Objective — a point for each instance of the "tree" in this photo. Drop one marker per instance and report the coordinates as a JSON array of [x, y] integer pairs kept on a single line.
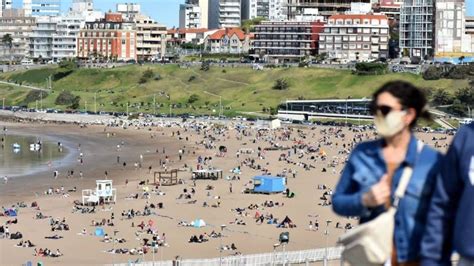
[[148, 74], [281, 84], [205, 66], [193, 98], [247, 25], [7, 41], [442, 97], [465, 96]]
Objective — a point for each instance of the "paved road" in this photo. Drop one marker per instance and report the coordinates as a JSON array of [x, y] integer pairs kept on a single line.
[[24, 86]]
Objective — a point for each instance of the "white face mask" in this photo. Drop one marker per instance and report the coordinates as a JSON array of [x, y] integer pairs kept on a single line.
[[391, 124]]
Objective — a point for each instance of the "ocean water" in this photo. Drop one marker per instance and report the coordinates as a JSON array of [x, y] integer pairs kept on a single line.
[[18, 159]]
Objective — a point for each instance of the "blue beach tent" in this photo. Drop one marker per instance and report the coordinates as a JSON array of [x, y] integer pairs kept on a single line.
[[269, 184], [10, 212]]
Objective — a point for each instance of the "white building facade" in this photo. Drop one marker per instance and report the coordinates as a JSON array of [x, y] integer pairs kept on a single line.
[[450, 36], [128, 10], [224, 13], [355, 37], [5, 4], [151, 39], [64, 45], [268, 9], [189, 16], [41, 40]]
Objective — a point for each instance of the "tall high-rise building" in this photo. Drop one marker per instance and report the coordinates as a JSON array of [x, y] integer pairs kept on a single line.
[[194, 14], [5, 4], [268, 9], [450, 34], [189, 16], [20, 27], [64, 44], [224, 13], [41, 40], [416, 28], [81, 6], [151, 39], [128, 10], [325, 8], [42, 8]]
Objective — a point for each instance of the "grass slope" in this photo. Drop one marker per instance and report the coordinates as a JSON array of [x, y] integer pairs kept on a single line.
[[242, 89]]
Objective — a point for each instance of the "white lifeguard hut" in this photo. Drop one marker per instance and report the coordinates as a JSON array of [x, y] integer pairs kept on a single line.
[[104, 192]]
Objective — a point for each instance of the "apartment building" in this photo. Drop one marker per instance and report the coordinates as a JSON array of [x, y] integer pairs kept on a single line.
[[325, 8], [176, 37], [41, 39], [268, 9], [470, 33], [20, 27], [42, 8], [391, 8], [5, 5], [64, 44], [80, 6], [109, 38], [189, 16], [417, 28], [151, 39], [285, 41], [450, 35], [128, 10], [227, 41], [194, 14], [355, 37], [224, 14]]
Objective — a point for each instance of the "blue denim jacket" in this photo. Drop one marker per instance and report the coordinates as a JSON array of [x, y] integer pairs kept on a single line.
[[365, 168]]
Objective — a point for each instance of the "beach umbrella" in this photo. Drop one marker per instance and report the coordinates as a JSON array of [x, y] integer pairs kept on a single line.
[[99, 231]]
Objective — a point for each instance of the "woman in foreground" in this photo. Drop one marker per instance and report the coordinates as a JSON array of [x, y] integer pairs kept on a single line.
[[366, 187]]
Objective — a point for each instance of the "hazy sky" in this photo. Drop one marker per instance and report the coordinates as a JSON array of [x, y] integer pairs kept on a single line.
[[167, 11], [163, 11]]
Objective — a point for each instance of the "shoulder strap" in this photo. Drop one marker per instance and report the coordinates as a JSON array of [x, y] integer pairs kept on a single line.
[[406, 176]]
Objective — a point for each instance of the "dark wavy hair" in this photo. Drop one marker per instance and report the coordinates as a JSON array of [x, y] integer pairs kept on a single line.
[[408, 95]]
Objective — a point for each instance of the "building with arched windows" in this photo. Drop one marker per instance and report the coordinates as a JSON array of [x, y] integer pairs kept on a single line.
[[108, 39]]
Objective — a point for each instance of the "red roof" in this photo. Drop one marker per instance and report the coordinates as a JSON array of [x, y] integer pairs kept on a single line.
[[219, 34], [181, 31], [361, 17]]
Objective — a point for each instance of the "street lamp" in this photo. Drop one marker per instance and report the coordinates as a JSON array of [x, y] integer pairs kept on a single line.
[[326, 233], [113, 244], [273, 256], [220, 245], [220, 101]]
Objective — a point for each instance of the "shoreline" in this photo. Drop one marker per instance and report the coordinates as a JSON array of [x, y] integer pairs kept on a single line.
[[66, 159]]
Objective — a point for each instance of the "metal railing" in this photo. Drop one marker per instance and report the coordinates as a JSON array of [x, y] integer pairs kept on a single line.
[[269, 259]]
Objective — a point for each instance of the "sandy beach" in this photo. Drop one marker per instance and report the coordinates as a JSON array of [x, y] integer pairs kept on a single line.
[[315, 157]]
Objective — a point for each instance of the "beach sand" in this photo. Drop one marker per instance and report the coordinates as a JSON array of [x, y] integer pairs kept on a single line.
[[100, 155]]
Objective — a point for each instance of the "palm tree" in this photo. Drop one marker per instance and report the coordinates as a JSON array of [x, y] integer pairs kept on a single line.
[[7, 41]]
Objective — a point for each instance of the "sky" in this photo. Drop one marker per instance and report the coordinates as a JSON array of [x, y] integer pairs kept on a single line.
[[167, 11], [163, 11]]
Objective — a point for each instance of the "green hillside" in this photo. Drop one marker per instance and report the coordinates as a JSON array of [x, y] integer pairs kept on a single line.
[[242, 89]]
